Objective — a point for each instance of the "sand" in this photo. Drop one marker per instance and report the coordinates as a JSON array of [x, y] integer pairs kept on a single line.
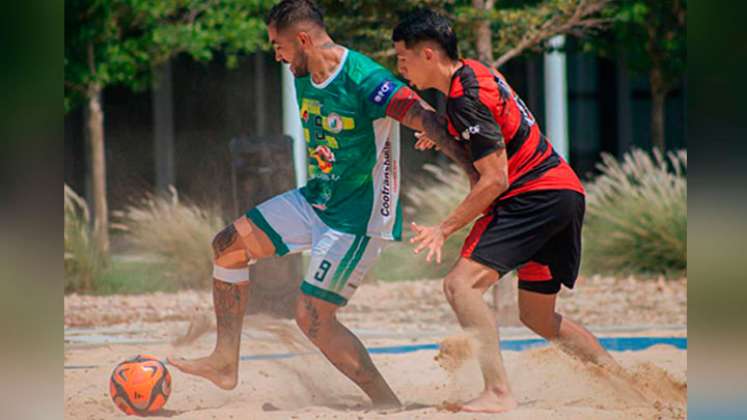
[[411, 305], [547, 383]]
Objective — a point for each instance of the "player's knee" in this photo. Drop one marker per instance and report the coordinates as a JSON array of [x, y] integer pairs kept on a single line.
[[224, 241], [243, 235], [230, 258], [453, 288]]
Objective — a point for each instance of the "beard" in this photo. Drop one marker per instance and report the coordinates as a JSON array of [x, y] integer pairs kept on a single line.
[[300, 66]]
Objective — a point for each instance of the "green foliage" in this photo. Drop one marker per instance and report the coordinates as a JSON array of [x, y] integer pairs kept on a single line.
[[135, 277], [83, 262], [367, 25], [178, 234], [119, 41], [646, 33], [636, 215], [432, 200], [510, 22]]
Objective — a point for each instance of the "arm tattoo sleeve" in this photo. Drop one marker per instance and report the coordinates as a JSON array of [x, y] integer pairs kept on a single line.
[[421, 117]]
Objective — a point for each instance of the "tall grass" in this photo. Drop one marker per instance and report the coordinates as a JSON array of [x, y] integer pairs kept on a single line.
[[82, 260], [636, 219], [178, 233], [432, 199]]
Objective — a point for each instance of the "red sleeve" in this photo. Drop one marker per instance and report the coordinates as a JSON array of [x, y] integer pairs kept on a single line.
[[401, 102]]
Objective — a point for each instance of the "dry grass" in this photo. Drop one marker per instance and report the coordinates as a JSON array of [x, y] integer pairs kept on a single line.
[[636, 220], [179, 233], [432, 199], [82, 261]]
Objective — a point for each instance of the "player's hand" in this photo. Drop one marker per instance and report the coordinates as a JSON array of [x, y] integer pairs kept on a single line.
[[423, 142], [431, 237]]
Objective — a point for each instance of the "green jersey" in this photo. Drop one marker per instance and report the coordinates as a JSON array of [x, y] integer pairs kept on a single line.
[[353, 165]]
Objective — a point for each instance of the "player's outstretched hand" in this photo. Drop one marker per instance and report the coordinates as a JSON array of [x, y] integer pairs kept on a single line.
[[423, 142], [431, 237]]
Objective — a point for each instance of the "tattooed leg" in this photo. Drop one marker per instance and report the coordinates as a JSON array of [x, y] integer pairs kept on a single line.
[[229, 300], [222, 366], [343, 349]]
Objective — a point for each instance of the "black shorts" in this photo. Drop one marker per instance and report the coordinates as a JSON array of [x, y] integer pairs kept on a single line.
[[538, 232]]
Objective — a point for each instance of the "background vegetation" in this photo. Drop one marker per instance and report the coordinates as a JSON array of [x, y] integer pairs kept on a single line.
[[636, 218], [636, 213]]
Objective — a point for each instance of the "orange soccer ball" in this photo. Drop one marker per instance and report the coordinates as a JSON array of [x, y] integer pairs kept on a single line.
[[140, 385]]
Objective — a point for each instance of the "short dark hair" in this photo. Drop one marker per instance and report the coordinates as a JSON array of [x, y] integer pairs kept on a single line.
[[289, 12], [427, 25]]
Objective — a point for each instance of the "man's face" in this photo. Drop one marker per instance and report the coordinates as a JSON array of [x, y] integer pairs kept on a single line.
[[288, 49], [413, 65]]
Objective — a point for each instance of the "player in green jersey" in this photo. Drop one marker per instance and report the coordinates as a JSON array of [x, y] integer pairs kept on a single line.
[[349, 209]]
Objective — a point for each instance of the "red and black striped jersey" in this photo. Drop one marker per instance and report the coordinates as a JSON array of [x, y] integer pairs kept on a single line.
[[486, 113]]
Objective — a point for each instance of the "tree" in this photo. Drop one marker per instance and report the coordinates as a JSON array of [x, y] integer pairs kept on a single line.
[[529, 28], [483, 32], [119, 42], [486, 28], [650, 36]]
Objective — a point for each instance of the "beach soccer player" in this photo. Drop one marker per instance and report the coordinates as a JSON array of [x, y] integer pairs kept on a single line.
[[347, 212], [529, 202]]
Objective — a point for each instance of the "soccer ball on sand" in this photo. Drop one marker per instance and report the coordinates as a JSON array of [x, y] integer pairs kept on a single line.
[[140, 385]]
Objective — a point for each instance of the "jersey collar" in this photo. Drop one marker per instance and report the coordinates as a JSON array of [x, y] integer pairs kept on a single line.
[[334, 74], [456, 75]]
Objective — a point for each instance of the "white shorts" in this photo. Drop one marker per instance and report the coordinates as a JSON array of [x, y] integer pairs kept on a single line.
[[339, 260]]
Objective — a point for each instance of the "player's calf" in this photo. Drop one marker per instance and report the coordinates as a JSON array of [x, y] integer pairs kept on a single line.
[[342, 348], [309, 318], [545, 325], [235, 248], [537, 312]]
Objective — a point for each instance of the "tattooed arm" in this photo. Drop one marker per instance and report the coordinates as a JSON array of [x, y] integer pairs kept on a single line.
[[407, 108]]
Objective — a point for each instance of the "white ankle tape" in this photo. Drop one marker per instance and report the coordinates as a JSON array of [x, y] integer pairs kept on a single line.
[[231, 275]]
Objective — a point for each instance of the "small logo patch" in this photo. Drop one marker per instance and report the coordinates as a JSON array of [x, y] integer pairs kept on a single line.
[[334, 123], [382, 92], [325, 158], [469, 131]]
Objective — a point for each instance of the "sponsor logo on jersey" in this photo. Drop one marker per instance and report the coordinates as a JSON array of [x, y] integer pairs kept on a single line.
[[469, 131], [325, 158], [382, 92], [308, 108], [334, 123], [388, 186]]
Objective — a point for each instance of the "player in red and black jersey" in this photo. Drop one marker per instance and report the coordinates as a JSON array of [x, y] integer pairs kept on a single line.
[[531, 201]]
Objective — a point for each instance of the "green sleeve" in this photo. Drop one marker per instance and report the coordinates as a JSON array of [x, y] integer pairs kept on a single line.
[[377, 90]]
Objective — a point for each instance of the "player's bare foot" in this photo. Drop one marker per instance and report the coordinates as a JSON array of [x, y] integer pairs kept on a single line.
[[490, 401], [222, 374]]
